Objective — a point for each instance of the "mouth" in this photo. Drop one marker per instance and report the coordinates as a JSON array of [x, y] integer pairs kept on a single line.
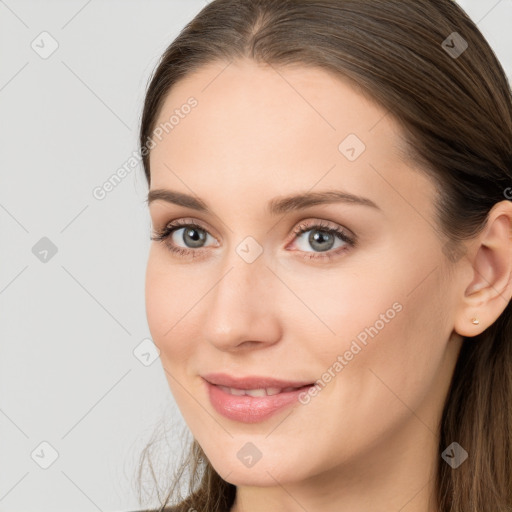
[[253, 405]]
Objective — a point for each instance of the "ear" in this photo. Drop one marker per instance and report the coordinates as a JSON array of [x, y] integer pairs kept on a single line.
[[489, 290]]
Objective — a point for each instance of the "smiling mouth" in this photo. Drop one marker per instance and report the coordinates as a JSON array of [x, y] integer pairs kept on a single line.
[[252, 405]]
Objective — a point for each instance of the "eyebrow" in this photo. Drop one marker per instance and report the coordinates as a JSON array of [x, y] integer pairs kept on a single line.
[[276, 206]]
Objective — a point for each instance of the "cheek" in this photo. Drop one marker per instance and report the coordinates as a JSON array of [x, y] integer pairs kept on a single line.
[[164, 305], [389, 319], [156, 299], [351, 305], [172, 332], [402, 348]]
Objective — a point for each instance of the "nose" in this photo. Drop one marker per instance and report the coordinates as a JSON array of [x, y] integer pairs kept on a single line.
[[242, 309]]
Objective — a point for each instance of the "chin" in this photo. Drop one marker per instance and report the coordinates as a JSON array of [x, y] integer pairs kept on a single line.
[[263, 473]]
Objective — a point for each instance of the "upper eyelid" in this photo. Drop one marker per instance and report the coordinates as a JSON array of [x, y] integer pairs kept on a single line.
[[183, 222]]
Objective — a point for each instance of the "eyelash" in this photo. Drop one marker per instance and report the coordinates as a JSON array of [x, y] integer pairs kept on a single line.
[[163, 234]]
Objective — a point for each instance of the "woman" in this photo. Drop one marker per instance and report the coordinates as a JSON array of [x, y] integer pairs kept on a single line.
[[374, 373]]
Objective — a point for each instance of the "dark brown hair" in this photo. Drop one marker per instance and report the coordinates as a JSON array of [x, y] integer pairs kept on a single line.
[[456, 116]]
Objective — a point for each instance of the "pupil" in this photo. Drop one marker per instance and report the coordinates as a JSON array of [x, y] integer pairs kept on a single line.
[[197, 236], [317, 237]]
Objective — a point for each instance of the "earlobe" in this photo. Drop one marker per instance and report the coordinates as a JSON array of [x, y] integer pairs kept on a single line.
[[490, 289]]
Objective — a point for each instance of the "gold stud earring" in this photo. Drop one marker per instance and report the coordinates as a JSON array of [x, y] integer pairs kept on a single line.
[[475, 321]]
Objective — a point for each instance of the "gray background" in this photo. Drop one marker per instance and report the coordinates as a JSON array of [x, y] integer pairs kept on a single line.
[[75, 371]]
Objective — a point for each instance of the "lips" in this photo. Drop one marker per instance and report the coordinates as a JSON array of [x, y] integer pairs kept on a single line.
[[252, 399], [253, 382]]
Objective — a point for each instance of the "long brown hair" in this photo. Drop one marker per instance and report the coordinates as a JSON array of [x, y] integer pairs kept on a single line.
[[455, 109]]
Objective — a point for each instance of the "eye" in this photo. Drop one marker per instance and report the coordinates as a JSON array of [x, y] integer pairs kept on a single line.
[[322, 238], [192, 235]]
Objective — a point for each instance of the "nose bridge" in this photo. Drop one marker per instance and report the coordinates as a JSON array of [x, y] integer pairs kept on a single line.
[[241, 304], [244, 270]]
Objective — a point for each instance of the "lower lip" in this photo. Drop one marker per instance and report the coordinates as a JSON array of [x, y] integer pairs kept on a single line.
[[251, 409]]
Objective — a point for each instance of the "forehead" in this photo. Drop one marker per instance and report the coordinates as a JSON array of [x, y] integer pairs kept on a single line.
[[244, 98], [286, 127]]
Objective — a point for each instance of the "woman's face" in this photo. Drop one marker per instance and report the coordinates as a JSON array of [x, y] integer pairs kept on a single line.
[[369, 321]]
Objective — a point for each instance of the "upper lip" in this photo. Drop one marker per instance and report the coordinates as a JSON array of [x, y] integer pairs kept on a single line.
[[252, 382]]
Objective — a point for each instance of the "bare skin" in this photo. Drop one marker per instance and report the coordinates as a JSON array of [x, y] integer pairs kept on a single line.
[[367, 441]]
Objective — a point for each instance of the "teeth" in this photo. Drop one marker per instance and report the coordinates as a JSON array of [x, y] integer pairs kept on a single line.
[[255, 392], [233, 391], [273, 391]]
